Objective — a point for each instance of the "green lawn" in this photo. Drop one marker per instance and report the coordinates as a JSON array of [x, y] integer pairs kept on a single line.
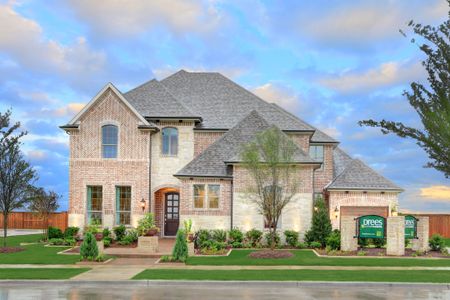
[[298, 275], [447, 242], [308, 258], [44, 273], [34, 254]]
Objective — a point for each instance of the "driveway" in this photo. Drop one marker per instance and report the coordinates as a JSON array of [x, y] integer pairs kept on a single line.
[[12, 232], [219, 291]]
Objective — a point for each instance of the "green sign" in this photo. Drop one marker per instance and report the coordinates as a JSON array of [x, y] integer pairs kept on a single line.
[[371, 227], [410, 227]]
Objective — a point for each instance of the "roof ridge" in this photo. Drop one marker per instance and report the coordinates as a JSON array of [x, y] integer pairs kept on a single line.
[[175, 98], [340, 174]]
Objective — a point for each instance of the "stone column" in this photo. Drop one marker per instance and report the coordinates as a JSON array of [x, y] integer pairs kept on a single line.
[[395, 235], [421, 243], [348, 232]]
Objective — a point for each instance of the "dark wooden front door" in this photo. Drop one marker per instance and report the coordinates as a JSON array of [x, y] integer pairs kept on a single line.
[[171, 214]]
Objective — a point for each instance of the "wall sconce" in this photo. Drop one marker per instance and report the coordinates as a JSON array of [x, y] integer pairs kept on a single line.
[[336, 212], [143, 204], [316, 208]]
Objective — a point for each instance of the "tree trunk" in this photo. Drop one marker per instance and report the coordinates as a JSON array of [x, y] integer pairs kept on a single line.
[[5, 228]]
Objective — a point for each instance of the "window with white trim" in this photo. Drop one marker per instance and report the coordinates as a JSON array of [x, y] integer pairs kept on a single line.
[[206, 196]]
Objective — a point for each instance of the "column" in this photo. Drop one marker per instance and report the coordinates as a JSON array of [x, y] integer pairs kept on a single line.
[[395, 235], [348, 232], [421, 243]]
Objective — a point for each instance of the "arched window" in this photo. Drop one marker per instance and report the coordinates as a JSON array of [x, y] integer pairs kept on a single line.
[[109, 141], [169, 141]]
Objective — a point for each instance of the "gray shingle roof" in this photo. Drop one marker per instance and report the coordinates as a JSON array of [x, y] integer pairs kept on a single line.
[[222, 103], [341, 160], [212, 161], [357, 175], [152, 99]]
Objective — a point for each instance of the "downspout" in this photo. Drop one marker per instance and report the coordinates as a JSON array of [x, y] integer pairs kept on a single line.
[[231, 207], [150, 172]]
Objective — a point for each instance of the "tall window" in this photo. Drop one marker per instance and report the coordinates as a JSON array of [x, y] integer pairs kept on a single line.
[[123, 205], [206, 195], [109, 141], [169, 141], [94, 204], [316, 152]]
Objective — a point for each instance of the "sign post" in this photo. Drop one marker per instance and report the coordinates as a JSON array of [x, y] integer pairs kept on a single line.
[[371, 226]]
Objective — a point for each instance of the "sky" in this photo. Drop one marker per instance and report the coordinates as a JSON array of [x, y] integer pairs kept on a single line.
[[332, 63]]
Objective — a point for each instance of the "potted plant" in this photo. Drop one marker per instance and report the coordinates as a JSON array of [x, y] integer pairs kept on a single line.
[[147, 226], [94, 228]]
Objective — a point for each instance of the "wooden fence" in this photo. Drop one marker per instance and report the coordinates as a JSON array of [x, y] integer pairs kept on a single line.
[[30, 220], [439, 223]]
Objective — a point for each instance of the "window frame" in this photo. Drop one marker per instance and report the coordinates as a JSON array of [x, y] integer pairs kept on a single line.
[[89, 210], [117, 206], [170, 146], [315, 154], [206, 201], [109, 124]]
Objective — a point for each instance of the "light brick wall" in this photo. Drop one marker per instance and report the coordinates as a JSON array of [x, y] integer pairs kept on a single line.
[[87, 167], [203, 140], [324, 175], [302, 141], [358, 198]]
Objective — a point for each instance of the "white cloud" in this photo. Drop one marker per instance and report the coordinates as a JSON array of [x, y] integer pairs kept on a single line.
[[69, 110], [116, 17], [387, 74], [282, 96], [23, 40], [436, 193]]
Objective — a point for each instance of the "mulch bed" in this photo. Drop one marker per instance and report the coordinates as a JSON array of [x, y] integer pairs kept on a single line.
[[11, 249], [270, 254], [381, 252]]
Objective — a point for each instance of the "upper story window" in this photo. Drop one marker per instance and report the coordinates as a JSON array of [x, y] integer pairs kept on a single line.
[[316, 152], [169, 141], [109, 141]]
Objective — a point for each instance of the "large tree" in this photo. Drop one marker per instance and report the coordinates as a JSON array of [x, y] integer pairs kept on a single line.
[[43, 203], [431, 101], [275, 179], [16, 174]]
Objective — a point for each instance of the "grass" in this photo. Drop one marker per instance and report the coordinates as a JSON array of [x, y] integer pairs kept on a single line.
[[44, 273], [34, 254], [447, 242], [309, 258], [298, 275]]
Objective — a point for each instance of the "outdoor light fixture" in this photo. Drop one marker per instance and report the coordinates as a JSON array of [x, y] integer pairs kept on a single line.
[[336, 212], [143, 204], [316, 208]]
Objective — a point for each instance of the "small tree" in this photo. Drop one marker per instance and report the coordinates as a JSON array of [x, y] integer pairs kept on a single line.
[[269, 161], [180, 250], [321, 224], [43, 203], [16, 174], [89, 249]]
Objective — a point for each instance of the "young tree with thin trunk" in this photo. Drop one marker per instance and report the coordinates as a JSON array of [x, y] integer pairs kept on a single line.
[[275, 178], [431, 100], [43, 203], [16, 174]]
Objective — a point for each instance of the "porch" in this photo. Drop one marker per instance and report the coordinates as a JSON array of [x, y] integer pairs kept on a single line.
[[166, 205]]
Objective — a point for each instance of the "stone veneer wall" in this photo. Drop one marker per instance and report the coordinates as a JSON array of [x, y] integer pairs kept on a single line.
[[359, 198], [87, 167], [205, 218], [203, 139]]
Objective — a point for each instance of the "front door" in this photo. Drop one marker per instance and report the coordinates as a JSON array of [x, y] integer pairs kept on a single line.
[[171, 214]]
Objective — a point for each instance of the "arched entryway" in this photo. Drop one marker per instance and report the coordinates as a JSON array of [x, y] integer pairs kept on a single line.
[[167, 210]]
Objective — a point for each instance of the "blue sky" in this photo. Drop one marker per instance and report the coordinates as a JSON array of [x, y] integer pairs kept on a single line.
[[332, 63]]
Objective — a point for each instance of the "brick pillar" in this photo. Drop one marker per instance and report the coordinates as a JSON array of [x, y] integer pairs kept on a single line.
[[421, 243], [395, 236], [348, 232]]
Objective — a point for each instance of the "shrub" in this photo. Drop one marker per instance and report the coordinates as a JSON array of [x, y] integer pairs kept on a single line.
[[237, 245], [219, 235], [93, 227], [119, 232], [166, 258], [334, 240], [291, 237], [106, 233], [55, 233], [436, 242], [361, 253], [315, 245], [254, 237], [100, 258], [236, 236], [56, 242], [146, 223], [131, 236], [276, 237], [321, 224], [70, 241], [71, 231], [379, 243], [106, 243], [301, 245], [89, 249], [180, 250], [201, 236], [363, 242]]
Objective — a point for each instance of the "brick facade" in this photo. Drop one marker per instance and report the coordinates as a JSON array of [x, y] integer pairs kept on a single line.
[[324, 175], [204, 139], [302, 141]]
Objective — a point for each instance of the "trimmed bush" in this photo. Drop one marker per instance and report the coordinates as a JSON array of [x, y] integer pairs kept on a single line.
[[180, 250], [201, 236], [334, 240], [89, 249], [436, 242], [379, 243], [71, 232], [291, 237], [301, 245], [55, 233], [236, 236], [254, 237], [119, 232], [363, 242], [315, 245], [268, 238]]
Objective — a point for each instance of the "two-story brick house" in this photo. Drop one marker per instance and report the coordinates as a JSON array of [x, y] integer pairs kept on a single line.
[[172, 147]]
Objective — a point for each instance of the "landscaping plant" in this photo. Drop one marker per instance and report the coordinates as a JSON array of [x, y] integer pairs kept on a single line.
[[54, 233], [43, 203], [379, 243], [119, 232], [291, 237], [89, 249], [236, 238], [201, 236], [254, 237], [147, 226], [321, 225], [436, 242], [334, 240], [180, 250], [219, 235], [272, 239], [71, 232]]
